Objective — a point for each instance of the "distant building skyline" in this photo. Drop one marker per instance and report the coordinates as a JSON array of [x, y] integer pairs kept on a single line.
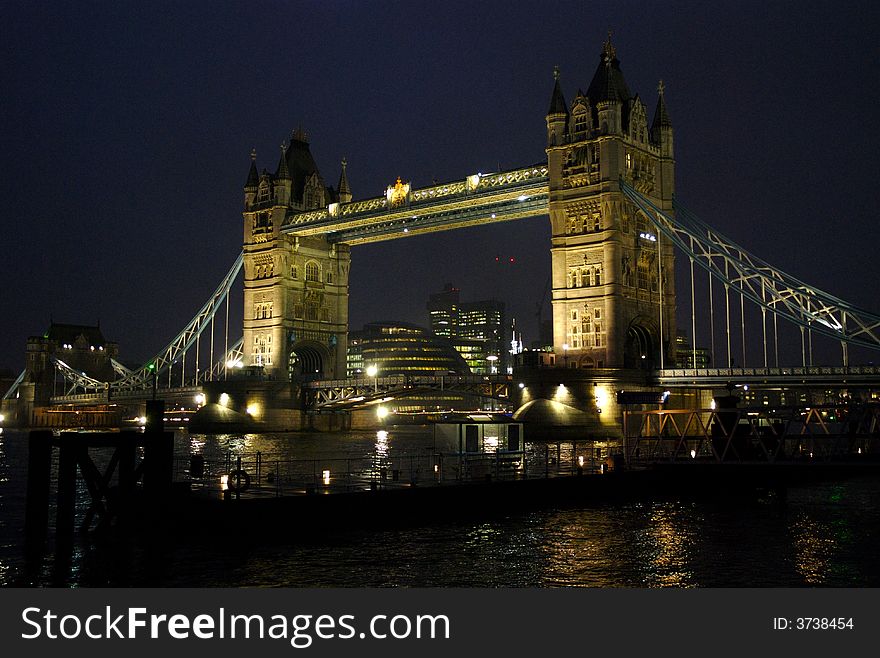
[[478, 329]]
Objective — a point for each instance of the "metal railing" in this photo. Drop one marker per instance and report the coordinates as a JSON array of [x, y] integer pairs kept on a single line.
[[274, 474]]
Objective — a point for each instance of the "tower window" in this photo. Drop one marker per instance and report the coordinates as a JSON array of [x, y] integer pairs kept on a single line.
[[312, 272], [293, 273]]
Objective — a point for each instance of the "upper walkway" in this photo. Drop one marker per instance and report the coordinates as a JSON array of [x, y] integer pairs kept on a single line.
[[478, 199], [788, 376]]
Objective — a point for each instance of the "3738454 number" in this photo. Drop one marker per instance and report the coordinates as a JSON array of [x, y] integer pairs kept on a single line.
[[823, 623]]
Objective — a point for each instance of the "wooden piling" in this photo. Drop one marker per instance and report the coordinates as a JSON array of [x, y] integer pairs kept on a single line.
[[36, 517], [65, 506]]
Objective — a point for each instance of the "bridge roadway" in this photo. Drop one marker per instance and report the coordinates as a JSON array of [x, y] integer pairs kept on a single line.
[[347, 393], [343, 393], [802, 376], [179, 393], [478, 199]]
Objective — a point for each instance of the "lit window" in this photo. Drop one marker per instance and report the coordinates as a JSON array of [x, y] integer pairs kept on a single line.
[[312, 273]]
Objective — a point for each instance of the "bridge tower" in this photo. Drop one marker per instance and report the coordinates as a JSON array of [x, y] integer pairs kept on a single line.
[[295, 287], [613, 280]]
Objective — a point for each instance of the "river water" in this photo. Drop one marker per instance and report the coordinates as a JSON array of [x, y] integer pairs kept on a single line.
[[820, 535]]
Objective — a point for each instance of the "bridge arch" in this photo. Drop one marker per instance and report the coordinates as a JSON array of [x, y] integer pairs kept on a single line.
[[307, 360], [640, 348]]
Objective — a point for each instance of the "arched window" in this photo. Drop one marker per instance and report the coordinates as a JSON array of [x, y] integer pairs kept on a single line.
[[312, 272], [293, 273], [598, 276]]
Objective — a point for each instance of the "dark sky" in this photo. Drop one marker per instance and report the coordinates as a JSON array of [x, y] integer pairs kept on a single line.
[[126, 129]]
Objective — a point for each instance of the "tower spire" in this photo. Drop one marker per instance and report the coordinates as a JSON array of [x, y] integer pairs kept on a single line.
[[344, 189], [282, 173], [661, 116], [253, 179], [608, 50], [557, 100]]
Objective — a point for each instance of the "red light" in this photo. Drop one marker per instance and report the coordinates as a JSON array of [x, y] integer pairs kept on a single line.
[[496, 259], [511, 260]]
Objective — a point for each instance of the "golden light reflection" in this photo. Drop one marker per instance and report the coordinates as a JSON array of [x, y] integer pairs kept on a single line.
[[669, 543], [814, 549]]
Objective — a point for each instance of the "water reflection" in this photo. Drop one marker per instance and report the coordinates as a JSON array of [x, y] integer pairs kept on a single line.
[[381, 457], [821, 536], [814, 549], [670, 540]]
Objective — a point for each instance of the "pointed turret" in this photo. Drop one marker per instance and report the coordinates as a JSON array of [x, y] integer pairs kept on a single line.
[[557, 100], [608, 91], [661, 116], [283, 181], [608, 83], [344, 189], [282, 172], [253, 178], [661, 126], [253, 181], [557, 115]]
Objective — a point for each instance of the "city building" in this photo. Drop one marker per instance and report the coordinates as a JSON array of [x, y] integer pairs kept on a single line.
[[80, 347], [478, 330], [687, 356], [484, 321], [443, 311], [400, 348]]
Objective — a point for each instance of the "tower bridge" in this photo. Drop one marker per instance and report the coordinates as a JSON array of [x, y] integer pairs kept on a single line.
[[617, 230]]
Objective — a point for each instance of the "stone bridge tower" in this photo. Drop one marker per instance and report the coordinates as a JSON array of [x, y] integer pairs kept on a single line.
[[613, 289], [295, 287]]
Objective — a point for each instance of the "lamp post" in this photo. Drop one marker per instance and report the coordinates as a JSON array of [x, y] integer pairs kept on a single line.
[[492, 358], [565, 354], [373, 371]]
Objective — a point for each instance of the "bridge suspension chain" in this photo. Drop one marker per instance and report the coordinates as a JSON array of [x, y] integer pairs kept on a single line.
[[767, 286], [143, 377]]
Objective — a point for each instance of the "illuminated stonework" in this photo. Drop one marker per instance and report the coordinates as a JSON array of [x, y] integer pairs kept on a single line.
[[295, 287], [607, 284]]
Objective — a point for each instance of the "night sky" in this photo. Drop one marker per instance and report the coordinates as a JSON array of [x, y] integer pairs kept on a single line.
[[127, 128]]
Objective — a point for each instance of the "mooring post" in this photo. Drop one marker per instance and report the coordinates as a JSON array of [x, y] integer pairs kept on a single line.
[[36, 516], [127, 450], [66, 499], [158, 451]]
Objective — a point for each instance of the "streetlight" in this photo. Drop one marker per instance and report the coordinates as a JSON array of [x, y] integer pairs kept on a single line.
[[565, 353], [372, 371]]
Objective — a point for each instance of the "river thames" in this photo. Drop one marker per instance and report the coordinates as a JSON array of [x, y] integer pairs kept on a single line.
[[825, 535]]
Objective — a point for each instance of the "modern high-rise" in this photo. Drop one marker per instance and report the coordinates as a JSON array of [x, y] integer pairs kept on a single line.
[[477, 329], [443, 311], [484, 321]]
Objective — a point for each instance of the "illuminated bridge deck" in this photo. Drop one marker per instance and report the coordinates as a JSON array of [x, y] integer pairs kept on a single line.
[[790, 376], [478, 199]]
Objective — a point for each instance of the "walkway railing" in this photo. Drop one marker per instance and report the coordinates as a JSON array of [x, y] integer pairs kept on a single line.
[[268, 474]]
